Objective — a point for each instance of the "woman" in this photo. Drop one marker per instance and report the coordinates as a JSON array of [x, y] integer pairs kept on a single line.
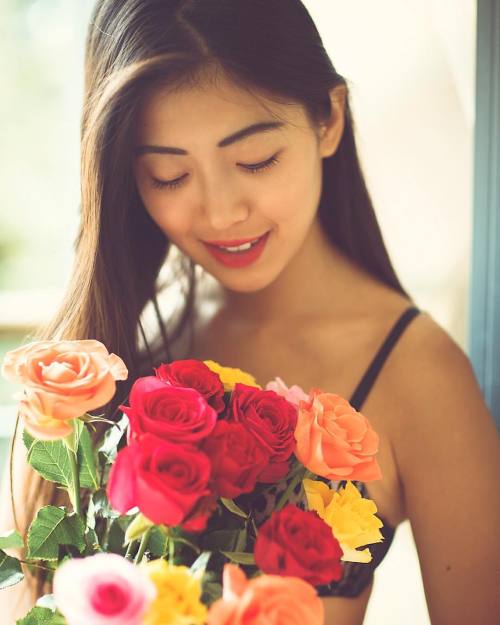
[[221, 129]]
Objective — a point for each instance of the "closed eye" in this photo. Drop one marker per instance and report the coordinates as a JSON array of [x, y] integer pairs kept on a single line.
[[251, 168], [263, 165]]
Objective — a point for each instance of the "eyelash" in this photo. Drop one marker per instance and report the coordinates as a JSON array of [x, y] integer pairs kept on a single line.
[[253, 169]]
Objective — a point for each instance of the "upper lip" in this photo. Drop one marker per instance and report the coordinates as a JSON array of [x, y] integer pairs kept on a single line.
[[234, 242]]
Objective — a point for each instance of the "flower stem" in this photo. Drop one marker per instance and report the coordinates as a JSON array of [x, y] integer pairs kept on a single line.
[[289, 490], [75, 482], [71, 444], [142, 546], [256, 531], [38, 566], [171, 550], [130, 549]]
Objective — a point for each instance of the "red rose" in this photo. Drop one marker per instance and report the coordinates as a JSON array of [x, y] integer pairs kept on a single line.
[[237, 458], [272, 420], [194, 374], [173, 413], [164, 480], [293, 542], [197, 519]]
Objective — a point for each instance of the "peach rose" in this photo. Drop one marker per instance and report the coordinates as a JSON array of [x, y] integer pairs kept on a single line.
[[265, 600], [335, 441], [35, 409], [62, 381]]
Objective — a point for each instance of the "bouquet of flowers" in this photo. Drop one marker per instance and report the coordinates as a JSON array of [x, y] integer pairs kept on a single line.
[[166, 524]]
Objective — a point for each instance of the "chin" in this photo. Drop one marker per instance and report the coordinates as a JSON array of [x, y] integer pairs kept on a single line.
[[246, 283]]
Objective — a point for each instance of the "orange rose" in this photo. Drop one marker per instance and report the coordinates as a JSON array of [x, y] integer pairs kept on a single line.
[[265, 600], [63, 380], [335, 441]]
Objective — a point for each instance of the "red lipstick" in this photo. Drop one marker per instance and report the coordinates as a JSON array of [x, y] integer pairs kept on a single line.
[[240, 258]]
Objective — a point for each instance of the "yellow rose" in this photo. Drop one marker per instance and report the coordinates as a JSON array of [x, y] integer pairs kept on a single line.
[[229, 376], [351, 517], [178, 596]]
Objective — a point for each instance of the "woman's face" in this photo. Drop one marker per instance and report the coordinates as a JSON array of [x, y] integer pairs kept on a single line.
[[209, 186]]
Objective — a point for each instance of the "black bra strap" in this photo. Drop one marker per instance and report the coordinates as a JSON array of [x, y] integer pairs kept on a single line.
[[377, 363]]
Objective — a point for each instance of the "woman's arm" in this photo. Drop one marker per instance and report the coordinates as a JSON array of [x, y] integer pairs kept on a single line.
[[345, 610], [447, 450]]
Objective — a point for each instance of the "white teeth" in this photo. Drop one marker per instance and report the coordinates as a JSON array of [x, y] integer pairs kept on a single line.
[[239, 248]]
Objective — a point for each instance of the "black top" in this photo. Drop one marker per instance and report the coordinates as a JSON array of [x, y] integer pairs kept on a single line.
[[358, 575]]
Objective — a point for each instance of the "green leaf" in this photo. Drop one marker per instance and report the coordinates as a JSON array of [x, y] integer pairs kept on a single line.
[[116, 538], [201, 562], [42, 616], [232, 507], [242, 540], [99, 507], [91, 541], [221, 540], [127, 519], [53, 527], [28, 440], [10, 571], [157, 543], [86, 461], [112, 438], [240, 557], [72, 440], [50, 459], [211, 592], [11, 540]]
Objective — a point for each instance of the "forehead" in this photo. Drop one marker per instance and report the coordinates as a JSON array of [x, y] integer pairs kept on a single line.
[[210, 110]]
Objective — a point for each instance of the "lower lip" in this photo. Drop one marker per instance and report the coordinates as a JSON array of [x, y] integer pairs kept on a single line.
[[239, 259]]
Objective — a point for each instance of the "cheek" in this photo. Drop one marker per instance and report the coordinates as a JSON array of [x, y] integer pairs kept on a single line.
[[171, 215], [297, 199], [173, 218]]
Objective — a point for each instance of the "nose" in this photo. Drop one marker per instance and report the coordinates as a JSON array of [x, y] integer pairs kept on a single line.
[[224, 208]]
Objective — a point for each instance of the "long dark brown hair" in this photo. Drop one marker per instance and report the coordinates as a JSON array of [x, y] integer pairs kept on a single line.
[[272, 48]]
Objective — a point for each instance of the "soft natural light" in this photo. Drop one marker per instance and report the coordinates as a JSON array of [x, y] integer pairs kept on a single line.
[[410, 68]]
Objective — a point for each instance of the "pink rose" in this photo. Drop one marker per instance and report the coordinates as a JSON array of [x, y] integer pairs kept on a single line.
[[63, 380], [294, 394], [104, 589], [265, 600], [334, 440]]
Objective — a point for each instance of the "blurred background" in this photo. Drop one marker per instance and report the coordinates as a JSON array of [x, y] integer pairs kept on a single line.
[[411, 71]]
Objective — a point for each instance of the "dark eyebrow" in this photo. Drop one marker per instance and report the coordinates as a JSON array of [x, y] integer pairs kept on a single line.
[[237, 136]]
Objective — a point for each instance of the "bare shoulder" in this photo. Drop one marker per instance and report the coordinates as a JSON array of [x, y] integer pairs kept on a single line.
[[431, 396], [426, 344], [447, 453], [428, 373]]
